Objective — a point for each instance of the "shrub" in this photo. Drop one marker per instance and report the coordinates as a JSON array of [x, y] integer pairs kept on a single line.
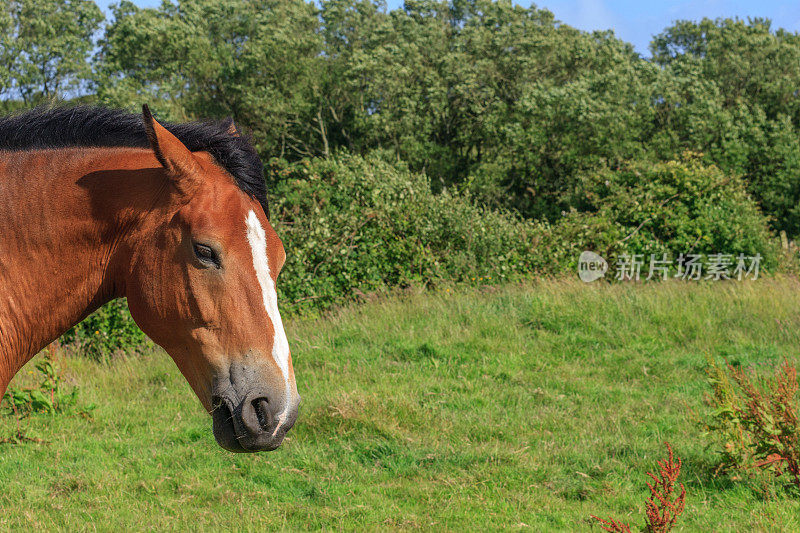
[[49, 396], [355, 225], [756, 426], [675, 207], [725, 426], [108, 330]]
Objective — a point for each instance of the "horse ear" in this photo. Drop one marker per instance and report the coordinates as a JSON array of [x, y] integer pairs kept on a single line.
[[170, 152], [231, 128]]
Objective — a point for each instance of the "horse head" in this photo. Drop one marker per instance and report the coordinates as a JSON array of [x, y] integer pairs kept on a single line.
[[203, 287]]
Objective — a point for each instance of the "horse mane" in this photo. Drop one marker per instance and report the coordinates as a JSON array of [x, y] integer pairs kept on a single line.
[[95, 127]]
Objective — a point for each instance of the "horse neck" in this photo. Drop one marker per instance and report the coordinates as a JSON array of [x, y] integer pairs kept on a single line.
[[66, 217]]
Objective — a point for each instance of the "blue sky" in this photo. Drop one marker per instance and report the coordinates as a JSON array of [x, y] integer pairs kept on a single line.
[[636, 21]]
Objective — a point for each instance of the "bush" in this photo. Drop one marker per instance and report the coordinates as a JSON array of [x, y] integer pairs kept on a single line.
[[355, 225], [675, 207], [48, 397], [756, 426], [108, 330]]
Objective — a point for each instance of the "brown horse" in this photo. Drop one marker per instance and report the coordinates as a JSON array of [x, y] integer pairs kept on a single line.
[[97, 204]]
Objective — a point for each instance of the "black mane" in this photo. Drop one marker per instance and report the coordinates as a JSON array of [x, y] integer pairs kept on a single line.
[[86, 126]]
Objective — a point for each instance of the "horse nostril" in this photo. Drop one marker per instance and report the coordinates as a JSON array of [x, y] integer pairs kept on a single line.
[[261, 407]]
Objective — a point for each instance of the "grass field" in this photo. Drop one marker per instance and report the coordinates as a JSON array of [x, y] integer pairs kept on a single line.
[[524, 407]]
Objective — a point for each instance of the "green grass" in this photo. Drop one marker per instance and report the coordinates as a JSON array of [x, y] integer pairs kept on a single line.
[[524, 407]]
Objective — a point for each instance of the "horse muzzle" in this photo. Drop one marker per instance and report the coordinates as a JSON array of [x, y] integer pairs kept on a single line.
[[254, 421]]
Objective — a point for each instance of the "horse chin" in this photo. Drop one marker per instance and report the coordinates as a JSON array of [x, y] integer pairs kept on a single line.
[[224, 431]]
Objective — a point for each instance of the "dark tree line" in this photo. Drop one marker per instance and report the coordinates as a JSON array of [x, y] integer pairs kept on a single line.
[[499, 101]]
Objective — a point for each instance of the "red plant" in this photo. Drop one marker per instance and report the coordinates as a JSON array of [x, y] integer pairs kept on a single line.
[[771, 418], [662, 508], [612, 525]]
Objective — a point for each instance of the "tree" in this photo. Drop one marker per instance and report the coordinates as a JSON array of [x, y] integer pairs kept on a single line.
[[254, 61], [5, 52], [736, 100], [46, 47], [750, 62]]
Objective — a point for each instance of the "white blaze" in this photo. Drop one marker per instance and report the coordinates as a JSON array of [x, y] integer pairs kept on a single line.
[[280, 346]]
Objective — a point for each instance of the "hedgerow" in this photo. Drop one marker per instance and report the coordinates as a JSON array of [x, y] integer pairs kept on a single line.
[[354, 225], [683, 206]]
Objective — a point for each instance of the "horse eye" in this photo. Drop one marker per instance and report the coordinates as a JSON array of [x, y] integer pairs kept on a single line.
[[206, 254]]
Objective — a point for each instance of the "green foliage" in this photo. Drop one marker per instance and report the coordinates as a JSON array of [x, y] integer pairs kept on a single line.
[[558, 129], [495, 98], [749, 61], [48, 397], [356, 225], [254, 61], [6, 40], [108, 331], [492, 97], [748, 75], [724, 426], [757, 425], [45, 47], [675, 207]]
